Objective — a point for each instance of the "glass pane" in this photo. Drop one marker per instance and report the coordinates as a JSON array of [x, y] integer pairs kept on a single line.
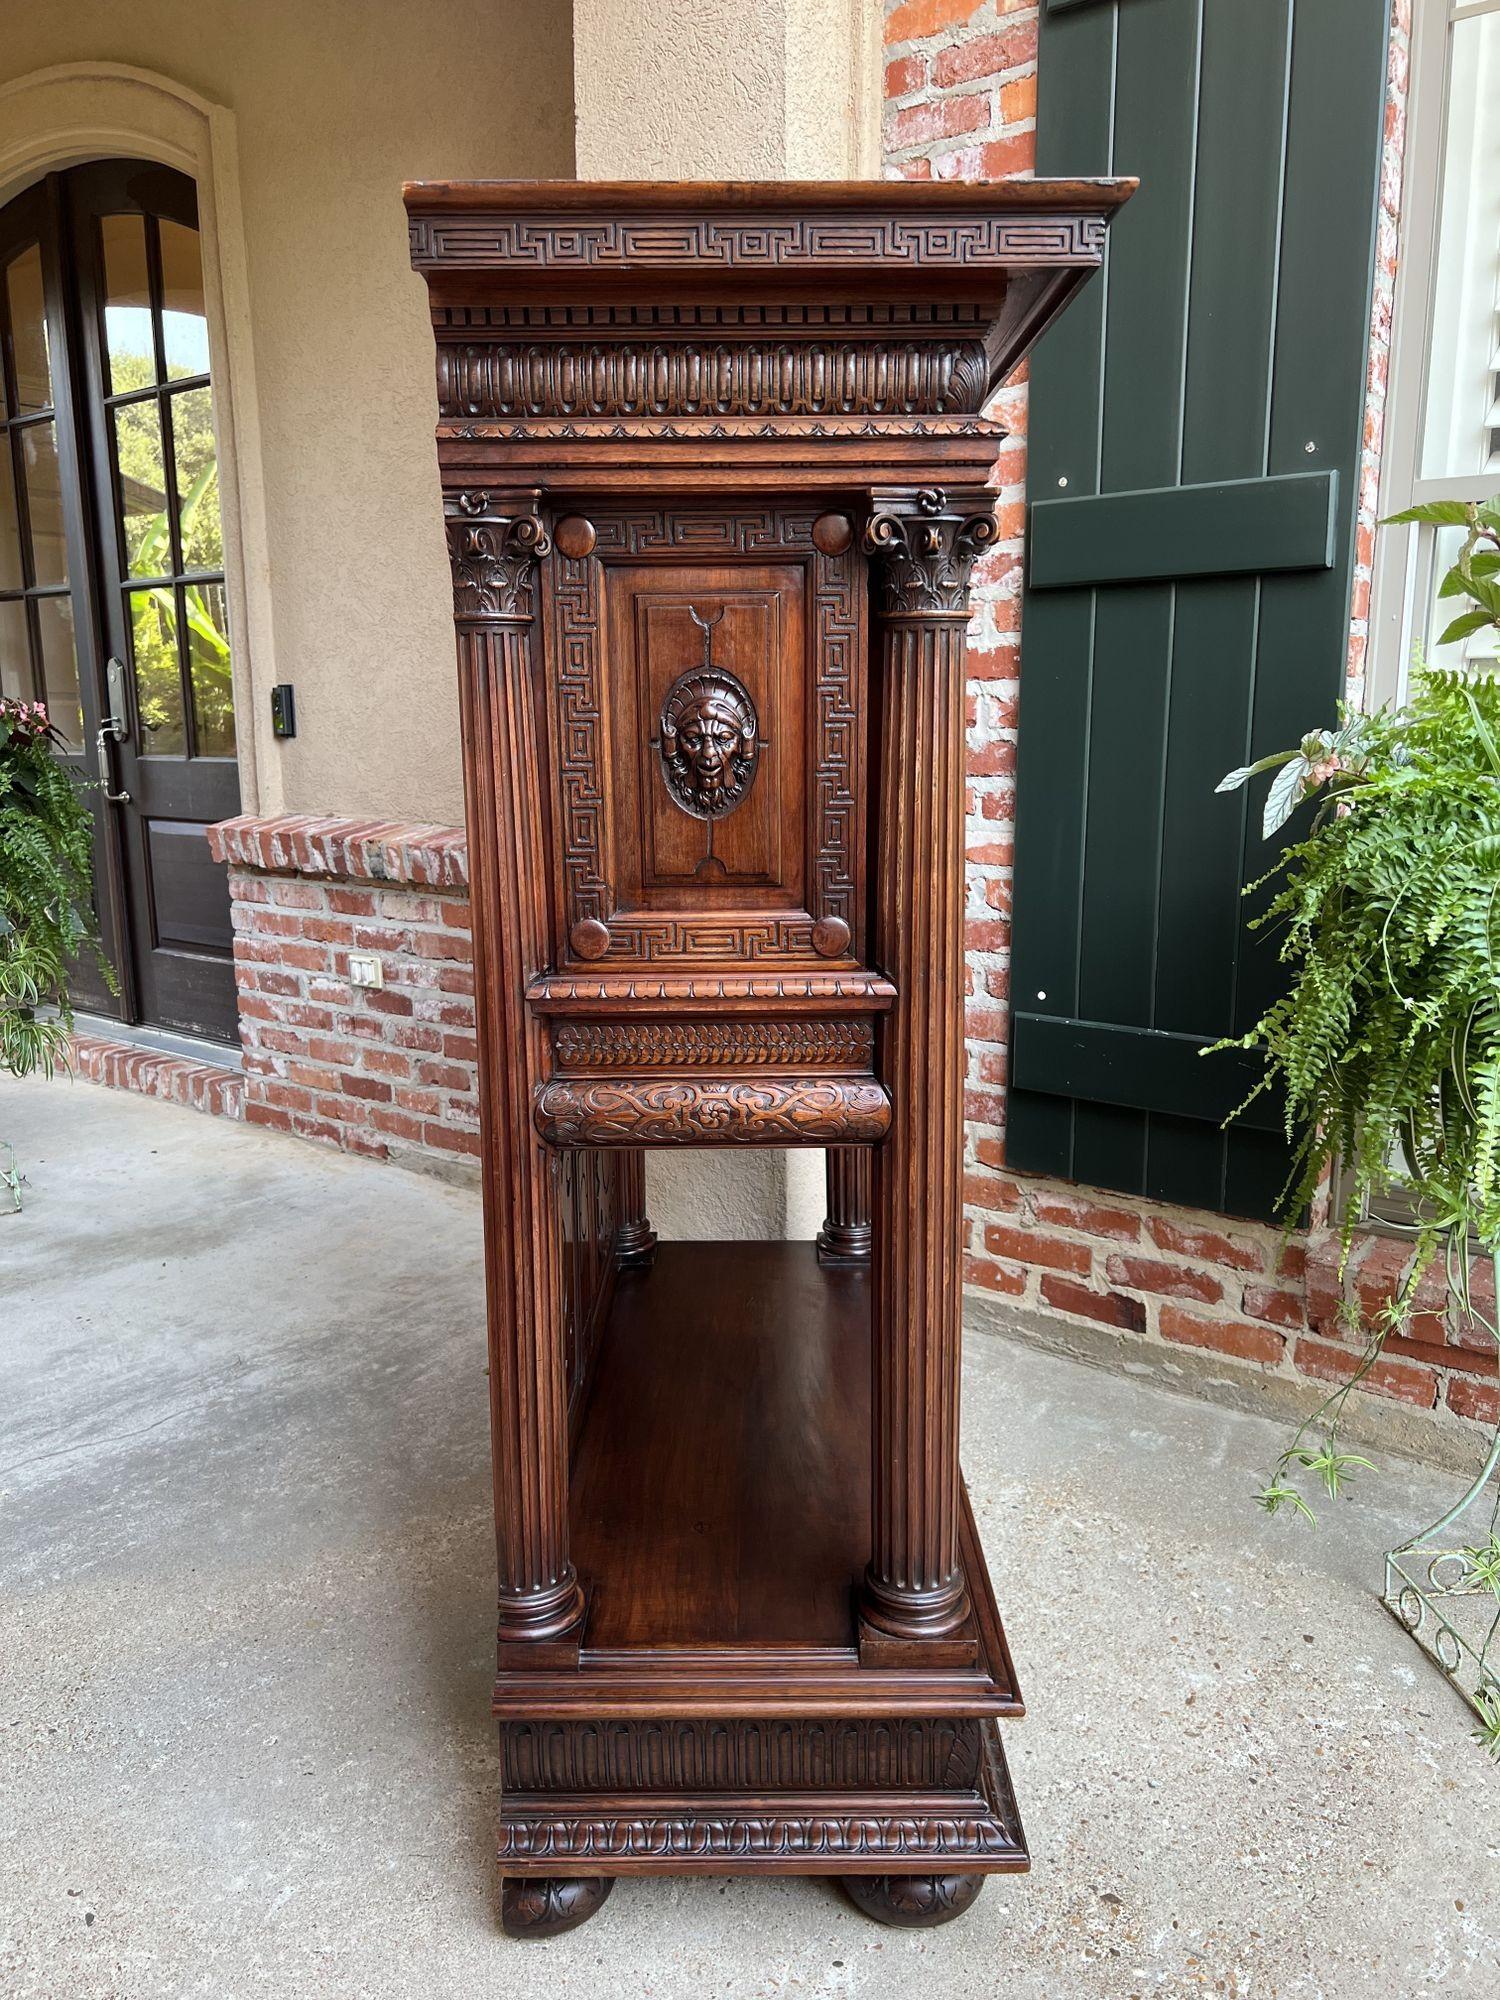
[[1462, 423], [184, 324], [197, 479], [10, 525], [28, 331], [142, 485], [15, 652], [127, 303], [208, 669], [158, 684], [54, 616], [43, 476]]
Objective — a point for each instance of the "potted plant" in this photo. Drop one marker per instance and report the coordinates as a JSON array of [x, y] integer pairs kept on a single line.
[[1386, 1046], [45, 896]]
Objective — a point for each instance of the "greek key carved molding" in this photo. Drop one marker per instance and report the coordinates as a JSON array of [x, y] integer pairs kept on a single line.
[[592, 1045], [727, 379], [578, 670], [649, 1110], [494, 559], [772, 242], [925, 551]]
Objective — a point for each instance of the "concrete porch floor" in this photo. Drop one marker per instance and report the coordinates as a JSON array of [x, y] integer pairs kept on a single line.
[[245, 1592]]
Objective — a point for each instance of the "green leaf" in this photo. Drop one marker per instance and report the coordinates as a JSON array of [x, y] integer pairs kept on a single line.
[[1276, 1495], [1235, 779], [1433, 513], [1462, 626], [1284, 796]]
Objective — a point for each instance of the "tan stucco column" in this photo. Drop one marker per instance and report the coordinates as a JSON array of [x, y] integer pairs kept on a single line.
[[729, 90]]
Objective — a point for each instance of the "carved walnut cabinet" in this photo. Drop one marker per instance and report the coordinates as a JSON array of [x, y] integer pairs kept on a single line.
[[714, 473]]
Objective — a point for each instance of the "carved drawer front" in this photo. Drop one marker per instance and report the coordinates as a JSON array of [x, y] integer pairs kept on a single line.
[[707, 696], [700, 1081]]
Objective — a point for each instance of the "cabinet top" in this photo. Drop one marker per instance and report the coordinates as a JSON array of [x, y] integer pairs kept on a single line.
[[746, 232]]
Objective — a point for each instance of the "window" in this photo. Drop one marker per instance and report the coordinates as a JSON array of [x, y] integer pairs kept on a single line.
[[1442, 429]]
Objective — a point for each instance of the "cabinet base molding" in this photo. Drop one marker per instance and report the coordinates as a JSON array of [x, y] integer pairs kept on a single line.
[[969, 1824]]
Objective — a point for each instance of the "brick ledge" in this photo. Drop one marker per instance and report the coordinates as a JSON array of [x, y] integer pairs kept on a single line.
[[200, 1086], [357, 850]]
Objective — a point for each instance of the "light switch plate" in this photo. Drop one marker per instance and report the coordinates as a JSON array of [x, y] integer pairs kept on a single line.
[[365, 969]]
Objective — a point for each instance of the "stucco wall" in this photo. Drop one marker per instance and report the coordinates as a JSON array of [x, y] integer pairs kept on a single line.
[[334, 105]]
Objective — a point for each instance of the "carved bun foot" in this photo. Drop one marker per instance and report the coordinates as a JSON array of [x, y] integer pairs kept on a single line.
[[913, 1902], [547, 1905]]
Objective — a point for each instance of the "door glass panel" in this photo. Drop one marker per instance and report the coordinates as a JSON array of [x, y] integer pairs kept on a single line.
[[60, 665], [15, 651], [10, 524], [28, 331], [130, 353], [141, 486], [209, 669], [158, 683], [197, 480], [43, 476], [184, 323]]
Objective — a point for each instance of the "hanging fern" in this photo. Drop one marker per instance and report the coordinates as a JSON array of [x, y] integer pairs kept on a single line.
[[1386, 1045], [45, 894]]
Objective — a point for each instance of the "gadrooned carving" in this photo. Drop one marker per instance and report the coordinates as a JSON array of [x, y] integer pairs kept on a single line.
[[926, 552], [709, 740]]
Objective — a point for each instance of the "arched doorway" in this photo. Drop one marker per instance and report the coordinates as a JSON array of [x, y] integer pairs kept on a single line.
[[112, 596]]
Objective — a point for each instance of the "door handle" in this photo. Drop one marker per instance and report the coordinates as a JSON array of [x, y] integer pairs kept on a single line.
[[109, 730]]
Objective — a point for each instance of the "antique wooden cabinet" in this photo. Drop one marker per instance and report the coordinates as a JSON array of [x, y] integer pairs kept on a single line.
[[714, 476]]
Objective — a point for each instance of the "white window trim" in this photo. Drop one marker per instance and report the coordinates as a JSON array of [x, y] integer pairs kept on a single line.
[[1402, 579]]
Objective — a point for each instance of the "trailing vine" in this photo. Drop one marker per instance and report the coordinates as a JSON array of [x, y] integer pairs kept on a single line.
[[45, 892], [1386, 1045]]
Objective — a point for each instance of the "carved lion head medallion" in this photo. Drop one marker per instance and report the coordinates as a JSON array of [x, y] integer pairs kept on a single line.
[[709, 741]]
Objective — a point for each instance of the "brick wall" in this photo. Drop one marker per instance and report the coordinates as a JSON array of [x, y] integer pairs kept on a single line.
[[960, 84], [389, 1072]]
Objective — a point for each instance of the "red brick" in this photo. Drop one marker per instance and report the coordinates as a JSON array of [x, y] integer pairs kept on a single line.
[[1093, 1217], [366, 1086], [352, 902], [989, 1191], [1110, 1308], [455, 915], [460, 1048], [400, 1124], [383, 1001], [938, 118], [1014, 154], [257, 1113], [1406, 1381], [1479, 1400], [1288, 1309], [1173, 1281], [1025, 1246], [984, 55], [450, 1138], [915, 18], [389, 1062], [904, 75], [1224, 1336], [1207, 1244], [994, 1277], [426, 1103], [285, 1096], [1018, 100], [446, 1076], [297, 896]]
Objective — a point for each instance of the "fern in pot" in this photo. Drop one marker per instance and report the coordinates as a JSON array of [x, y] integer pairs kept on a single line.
[[1387, 1049], [45, 899]]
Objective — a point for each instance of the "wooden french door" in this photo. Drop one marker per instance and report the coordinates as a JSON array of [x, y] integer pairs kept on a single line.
[[112, 600]]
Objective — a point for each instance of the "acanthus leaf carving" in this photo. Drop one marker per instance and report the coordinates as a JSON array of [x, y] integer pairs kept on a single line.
[[925, 551], [494, 557]]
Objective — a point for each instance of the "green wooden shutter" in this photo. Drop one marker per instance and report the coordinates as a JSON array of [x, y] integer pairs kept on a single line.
[[1195, 426]]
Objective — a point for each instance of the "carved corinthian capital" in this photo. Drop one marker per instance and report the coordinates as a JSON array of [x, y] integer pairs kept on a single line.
[[494, 554], [926, 548]]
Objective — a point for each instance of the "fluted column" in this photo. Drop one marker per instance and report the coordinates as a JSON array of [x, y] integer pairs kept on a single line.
[[923, 545], [494, 545], [635, 1242], [845, 1235]]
